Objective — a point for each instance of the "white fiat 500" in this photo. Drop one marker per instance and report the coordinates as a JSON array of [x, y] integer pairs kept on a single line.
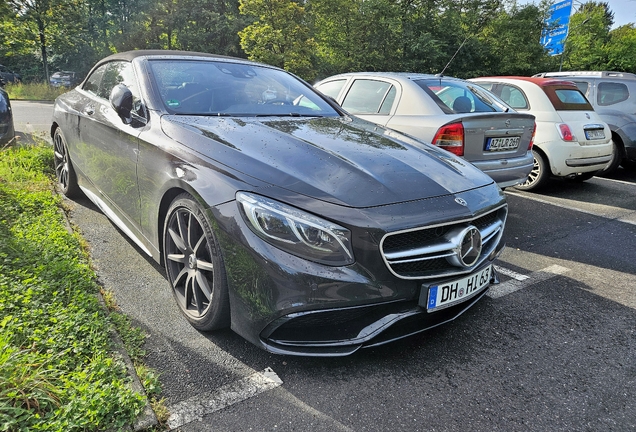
[[571, 139]]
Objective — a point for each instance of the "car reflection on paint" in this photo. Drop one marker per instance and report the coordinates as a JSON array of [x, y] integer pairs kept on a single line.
[[306, 231]]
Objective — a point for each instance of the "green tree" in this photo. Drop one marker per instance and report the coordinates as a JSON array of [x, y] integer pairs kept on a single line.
[[587, 37], [621, 49], [42, 27], [279, 35], [513, 43]]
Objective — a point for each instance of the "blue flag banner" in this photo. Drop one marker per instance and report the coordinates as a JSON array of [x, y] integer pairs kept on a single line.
[[556, 27]]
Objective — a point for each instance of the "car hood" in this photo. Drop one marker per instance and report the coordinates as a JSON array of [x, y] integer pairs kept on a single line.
[[344, 161]]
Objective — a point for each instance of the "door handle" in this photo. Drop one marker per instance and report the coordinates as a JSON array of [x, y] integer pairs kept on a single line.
[[89, 110]]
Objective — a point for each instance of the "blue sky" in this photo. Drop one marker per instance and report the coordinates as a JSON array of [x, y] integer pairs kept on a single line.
[[624, 10]]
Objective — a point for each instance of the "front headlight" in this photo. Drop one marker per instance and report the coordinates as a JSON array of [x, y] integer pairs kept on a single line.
[[296, 231]]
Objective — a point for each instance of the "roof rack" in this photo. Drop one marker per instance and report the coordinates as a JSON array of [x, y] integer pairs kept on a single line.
[[595, 74]]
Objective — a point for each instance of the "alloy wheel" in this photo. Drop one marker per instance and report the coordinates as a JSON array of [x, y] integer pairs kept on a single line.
[[189, 263]]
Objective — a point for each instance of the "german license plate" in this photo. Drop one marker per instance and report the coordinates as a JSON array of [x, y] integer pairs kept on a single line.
[[457, 291], [502, 144], [593, 134]]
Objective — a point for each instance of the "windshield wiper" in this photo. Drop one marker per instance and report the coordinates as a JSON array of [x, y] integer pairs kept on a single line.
[[292, 114]]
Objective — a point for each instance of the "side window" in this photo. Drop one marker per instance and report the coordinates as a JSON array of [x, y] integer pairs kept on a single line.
[[120, 72], [385, 109], [367, 96], [332, 88], [583, 86], [93, 81], [486, 85], [610, 93], [514, 97]]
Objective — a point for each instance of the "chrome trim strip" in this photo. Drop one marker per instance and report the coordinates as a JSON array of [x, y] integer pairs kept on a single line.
[[588, 161]]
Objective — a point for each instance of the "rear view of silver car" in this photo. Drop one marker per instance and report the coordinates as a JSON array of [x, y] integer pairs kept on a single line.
[[450, 113]]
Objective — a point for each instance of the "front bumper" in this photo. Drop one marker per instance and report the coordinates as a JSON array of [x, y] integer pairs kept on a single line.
[[289, 305], [340, 332]]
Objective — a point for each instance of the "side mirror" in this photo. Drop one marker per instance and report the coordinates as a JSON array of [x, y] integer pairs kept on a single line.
[[121, 99]]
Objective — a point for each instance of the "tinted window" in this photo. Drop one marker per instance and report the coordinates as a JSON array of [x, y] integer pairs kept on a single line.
[[93, 81], [513, 96], [332, 88], [236, 89], [457, 97], [611, 93], [567, 98], [570, 96], [366, 96]]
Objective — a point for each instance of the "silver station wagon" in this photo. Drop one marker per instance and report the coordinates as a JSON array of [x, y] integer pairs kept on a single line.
[[451, 113]]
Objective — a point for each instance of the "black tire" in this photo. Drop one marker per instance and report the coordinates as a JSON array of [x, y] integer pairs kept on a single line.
[[64, 172], [194, 266], [629, 164], [540, 174], [617, 157]]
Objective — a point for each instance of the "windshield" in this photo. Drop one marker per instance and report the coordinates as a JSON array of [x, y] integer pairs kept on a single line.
[[459, 97], [199, 87]]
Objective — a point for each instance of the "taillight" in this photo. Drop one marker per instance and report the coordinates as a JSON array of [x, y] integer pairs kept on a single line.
[[566, 132], [451, 137], [534, 132]]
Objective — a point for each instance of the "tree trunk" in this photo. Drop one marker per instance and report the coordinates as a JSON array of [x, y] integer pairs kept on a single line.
[[45, 61]]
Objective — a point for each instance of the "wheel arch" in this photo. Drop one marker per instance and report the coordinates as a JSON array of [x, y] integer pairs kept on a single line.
[[618, 140], [164, 205], [54, 127]]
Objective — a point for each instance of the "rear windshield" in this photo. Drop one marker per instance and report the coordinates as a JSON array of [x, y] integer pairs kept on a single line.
[[567, 98], [459, 97]]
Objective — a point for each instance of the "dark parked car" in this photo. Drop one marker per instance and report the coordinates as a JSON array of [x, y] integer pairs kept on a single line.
[[7, 132], [64, 79], [307, 231], [9, 76], [613, 96]]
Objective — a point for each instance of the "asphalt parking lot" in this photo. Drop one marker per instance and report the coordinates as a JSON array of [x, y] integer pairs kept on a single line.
[[553, 347]]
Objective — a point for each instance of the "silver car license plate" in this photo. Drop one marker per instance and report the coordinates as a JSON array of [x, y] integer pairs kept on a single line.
[[502, 144], [594, 134]]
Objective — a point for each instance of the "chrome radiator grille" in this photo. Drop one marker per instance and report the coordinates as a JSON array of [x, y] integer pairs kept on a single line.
[[428, 252]]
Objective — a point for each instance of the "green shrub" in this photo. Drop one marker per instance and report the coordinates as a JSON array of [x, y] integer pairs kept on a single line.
[[56, 371], [35, 91]]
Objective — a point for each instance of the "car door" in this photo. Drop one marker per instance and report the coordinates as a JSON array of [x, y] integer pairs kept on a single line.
[[109, 147]]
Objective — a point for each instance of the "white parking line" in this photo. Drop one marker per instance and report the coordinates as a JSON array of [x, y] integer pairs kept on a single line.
[[614, 181], [510, 273], [196, 407], [513, 285], [601, 210]]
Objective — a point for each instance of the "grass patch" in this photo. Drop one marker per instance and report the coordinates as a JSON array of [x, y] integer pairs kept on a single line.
[[56, 369], [35, 91]]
